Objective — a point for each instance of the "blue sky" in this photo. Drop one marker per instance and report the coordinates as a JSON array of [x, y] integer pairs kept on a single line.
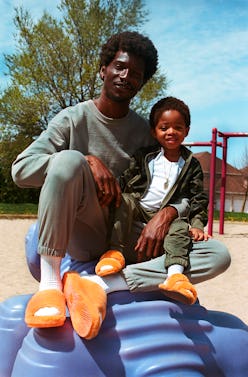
[[203, 50]]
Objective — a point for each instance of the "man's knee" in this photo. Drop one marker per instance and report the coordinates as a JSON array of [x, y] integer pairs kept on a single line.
[[66, 166], [222, 257], [218, 253]]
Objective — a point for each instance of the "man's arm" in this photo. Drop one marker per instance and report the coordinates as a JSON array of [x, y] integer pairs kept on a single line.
[[107, 187], [150, 242], [30, 167]]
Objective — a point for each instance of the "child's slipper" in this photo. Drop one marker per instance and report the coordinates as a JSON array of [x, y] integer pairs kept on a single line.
[[179, 288], [87, 302], [47, 298], [110, 263]]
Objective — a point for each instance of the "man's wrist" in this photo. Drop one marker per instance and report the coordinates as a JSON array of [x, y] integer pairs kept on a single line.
[[90, 159], [170, 213]]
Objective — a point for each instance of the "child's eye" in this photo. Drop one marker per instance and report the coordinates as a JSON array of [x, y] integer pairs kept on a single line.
[[179, 128]]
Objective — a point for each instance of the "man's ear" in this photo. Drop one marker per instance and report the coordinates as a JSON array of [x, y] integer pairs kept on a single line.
[[102, 72], [187, 131]]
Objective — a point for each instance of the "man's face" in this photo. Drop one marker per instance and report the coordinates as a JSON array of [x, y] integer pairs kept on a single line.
[[123, 77]]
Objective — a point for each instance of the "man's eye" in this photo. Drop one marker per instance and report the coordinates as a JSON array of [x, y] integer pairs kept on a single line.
[[119, 67]]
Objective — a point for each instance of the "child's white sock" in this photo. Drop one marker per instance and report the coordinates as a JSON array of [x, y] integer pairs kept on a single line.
[[110, 283], [175, 269]]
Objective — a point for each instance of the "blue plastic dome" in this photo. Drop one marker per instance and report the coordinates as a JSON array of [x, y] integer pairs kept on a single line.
[[143, 335]]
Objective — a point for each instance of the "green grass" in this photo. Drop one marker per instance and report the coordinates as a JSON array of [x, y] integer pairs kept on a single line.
[[31, 209], [232, 216], [18, 209]]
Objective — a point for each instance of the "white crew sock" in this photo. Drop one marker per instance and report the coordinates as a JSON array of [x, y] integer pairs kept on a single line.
[[110, 283], [175, 269], [50, 279], [50, 273]]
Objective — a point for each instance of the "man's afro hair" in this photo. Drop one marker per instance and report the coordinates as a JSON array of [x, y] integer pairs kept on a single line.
[[135, 43]]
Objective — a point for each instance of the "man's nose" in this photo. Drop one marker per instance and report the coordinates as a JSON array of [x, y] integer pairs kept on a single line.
[[124, 73]]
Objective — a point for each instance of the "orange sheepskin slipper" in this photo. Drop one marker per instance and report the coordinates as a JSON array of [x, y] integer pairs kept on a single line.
[[179, 288], [87, 302], [110, 262], [47, 298]]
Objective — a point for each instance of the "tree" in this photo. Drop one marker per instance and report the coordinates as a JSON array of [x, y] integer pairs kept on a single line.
[[56, 65]]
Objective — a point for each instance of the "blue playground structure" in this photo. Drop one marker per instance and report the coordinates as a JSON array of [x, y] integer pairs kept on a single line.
[[143, 335]]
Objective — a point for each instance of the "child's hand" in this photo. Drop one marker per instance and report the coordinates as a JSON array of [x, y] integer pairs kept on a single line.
[[199, 235]]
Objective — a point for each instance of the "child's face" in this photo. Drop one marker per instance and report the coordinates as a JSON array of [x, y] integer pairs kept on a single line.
[[170, 130]]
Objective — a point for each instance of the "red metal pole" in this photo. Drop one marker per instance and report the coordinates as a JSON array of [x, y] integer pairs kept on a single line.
[[214, 144], [212, 182], [233, 134], [223, 186]]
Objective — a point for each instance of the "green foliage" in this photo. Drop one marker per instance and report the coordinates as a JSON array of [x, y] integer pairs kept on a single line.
[[9, 192], [57, 61], [149, 94], [20, 114], [56, 65]]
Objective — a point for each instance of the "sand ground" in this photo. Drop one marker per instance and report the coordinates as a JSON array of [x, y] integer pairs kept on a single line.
[[227, 292]]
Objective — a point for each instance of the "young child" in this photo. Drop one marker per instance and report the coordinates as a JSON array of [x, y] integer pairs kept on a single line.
[[157, 177]]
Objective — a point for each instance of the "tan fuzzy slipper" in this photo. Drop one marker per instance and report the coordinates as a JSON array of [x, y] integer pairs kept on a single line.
[[47, 298], [179, 288], [87, 302], [110, 263]]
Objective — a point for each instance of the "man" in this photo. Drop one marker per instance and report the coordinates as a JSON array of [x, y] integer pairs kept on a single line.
[[77, 162]]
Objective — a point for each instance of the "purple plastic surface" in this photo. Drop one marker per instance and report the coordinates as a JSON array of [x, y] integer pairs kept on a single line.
[[143, 335]]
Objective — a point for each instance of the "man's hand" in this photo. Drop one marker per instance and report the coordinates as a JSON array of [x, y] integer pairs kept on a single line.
[[107, 187], [150, 242], [199, 235]]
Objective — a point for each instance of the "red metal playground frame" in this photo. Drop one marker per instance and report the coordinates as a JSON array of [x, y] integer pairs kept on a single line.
[[214, 144]]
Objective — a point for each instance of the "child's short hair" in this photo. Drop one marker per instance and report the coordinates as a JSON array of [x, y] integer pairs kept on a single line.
[[169, 103]]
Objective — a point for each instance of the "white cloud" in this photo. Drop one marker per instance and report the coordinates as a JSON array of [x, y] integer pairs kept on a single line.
[[204, 66], [202, 49]]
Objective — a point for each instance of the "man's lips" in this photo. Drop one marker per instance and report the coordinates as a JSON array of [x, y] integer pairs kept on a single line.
[[123, 85]]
